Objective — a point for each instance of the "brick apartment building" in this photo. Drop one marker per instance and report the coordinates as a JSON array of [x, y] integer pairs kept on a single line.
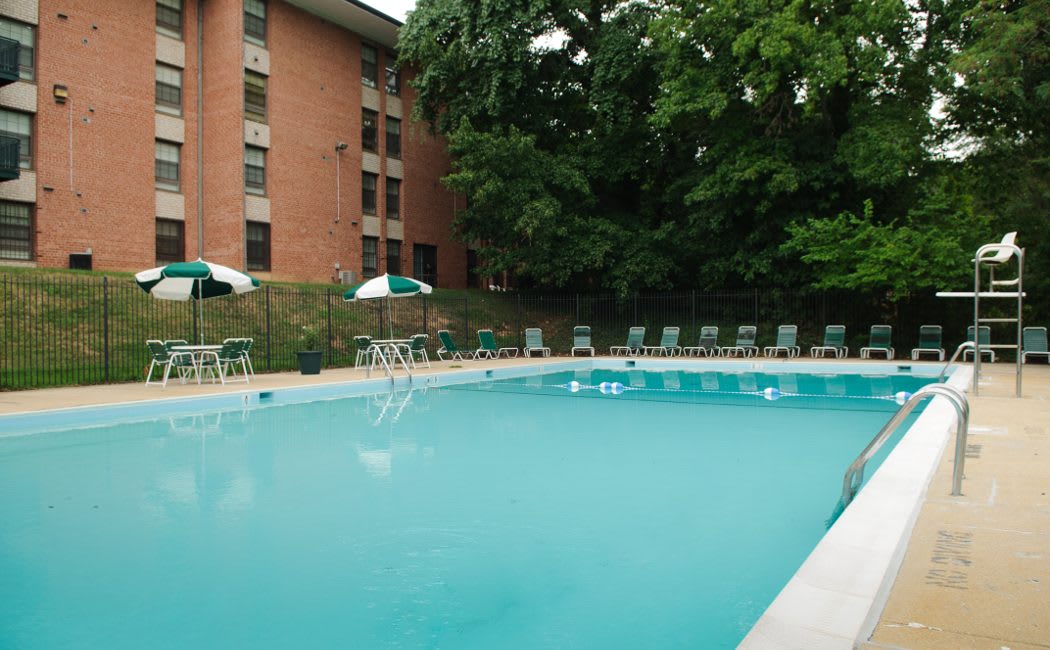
[[271, 135]]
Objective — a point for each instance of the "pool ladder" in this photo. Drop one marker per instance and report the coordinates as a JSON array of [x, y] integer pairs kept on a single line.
[[854, 476], [388, 370]]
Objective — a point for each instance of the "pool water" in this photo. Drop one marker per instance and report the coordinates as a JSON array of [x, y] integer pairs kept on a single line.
[[667, 513]]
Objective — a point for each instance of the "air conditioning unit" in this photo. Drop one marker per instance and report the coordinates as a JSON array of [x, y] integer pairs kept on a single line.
[[348, 277]]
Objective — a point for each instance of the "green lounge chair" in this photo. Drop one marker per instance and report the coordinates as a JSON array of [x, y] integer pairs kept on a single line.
[[635, 343], [668, 344], [364, 351], [417, 347], [1034, 343], [245, 352], [708, 344], [230, 355], [534, 342], [787, 336], [983, 342], [880, 341], [929, 342], [581, 340], [745, 343], [448, 346], [162, 357], [834, 342], [488, 347]]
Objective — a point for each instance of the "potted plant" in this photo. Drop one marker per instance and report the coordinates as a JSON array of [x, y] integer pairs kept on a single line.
[[309, 354]]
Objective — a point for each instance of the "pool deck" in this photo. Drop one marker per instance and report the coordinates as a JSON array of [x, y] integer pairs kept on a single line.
[[976, 573]]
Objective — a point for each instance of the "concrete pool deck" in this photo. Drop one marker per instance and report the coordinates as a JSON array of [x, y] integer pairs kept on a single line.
[[976, 573]]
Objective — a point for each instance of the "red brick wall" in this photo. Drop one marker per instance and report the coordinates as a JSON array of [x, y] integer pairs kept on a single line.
[[314, 101], [104, 53], [427, 206], [315, 77], [223, 158]]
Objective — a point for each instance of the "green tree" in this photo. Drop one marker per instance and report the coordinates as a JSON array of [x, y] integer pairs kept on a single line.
[[1000, 113], [797, 111], [546, 105]]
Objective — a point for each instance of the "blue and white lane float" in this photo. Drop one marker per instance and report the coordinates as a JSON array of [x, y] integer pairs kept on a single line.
[[770, 393]]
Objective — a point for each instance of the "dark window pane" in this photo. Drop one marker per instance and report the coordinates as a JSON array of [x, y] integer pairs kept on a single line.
[[393, 137], [16, 233], [369, 69], [170, 244], [369, 257], [393, 75], [393, 257], [424, 263], [166, 165], [258, 245], [25, 35], [19, 126], [254, 170], [393, 198], [169, 16], [255, 20], [254, 96], [368, 193], [369, 130]]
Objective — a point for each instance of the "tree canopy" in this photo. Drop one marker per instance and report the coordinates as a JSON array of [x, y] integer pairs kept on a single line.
[[629, 145]]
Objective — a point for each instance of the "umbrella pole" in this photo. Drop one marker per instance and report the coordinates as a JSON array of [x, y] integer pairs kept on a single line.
[[200, 308]]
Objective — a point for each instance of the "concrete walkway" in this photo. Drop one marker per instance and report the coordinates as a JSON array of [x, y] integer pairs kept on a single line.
[[977, 570]]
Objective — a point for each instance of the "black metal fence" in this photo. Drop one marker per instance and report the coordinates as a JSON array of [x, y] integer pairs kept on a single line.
[[87, 330]]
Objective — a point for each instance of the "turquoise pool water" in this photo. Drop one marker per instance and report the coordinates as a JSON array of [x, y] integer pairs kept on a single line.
[[663, 513]]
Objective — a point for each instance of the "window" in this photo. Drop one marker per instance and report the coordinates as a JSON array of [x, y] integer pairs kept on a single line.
[[258, 236], [369, 69], [369, 130], [170, 243], [254, 170], [369, 257], [167, 165], [16, 232], [20, 127], [169, 17], [169, 89], [393, 75], [393, 198], [424, 263], [254, 96], [255, 21], [368, 193], [393, 137], [26, 37], [393, 257]]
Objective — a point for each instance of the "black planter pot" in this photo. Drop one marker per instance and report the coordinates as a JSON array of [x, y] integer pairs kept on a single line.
[[309, 362]]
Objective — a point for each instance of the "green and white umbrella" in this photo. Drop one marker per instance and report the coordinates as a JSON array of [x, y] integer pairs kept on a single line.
[[196, 280], [387, 286]]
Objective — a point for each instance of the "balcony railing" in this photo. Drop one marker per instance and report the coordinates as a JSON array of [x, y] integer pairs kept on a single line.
[[8, 158], [8, 61]]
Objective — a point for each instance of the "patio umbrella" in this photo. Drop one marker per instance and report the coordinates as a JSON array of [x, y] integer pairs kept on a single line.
[[197, 280], [387, 286]]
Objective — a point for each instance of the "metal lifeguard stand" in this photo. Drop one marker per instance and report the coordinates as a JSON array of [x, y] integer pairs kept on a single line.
[[991, 257]]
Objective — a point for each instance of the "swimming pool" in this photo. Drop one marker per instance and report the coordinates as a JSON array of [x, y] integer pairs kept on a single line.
[[631, 508]]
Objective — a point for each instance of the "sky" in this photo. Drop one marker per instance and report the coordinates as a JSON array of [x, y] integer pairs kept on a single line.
[[393, 8]]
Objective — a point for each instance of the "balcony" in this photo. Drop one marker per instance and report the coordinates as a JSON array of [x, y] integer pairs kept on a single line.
[[8, 158], [9, 50]]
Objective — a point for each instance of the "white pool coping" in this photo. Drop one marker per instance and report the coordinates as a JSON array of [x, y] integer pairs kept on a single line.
[[835, 598]]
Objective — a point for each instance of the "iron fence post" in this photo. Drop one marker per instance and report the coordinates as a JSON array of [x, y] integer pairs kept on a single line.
[[105, 328], [466, 319], [269, 334], [328, 315], [518, 334], [577, 309]]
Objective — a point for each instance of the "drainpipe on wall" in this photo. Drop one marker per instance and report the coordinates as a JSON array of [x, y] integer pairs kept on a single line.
[[200, 128]]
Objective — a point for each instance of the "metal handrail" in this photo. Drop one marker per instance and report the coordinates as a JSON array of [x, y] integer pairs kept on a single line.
[[854, 476], [377, 353], [962, 346]]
